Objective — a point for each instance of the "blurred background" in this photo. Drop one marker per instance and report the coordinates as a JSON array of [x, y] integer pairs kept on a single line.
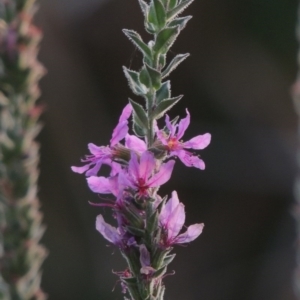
[[237, 87]]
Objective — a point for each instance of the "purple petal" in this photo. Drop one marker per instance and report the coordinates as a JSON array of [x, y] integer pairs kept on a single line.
[[183, 125], [109, 232], [134, 143], [126, 113], [133, 167], [95, 149], [93, 171], [125, 181], [161, 136], [163, 174], [147, 165], [176, 221], [99, 185], [144, 256], [198, 142], [170, 126], [168, 208], [80, 170], [191, 234], [119, 132], [190, 160]]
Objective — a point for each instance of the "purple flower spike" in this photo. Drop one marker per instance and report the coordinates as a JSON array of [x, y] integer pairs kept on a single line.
[[176, 147], [172, 218], [139, 175], [109, 232]]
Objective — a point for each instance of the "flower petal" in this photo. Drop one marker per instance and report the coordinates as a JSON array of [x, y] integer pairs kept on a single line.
[[162, 137], [126, 113], [190, 160], [168, 208], [169, 125], [176, 221], [80, 170], [147, 164], [183, 125], [94, 170], [122, 128], [99, 185], [134, 143], [119, 132], [163, 174], [109, 232], [95, 149], [191, 234], [198, 142], [133, 167]]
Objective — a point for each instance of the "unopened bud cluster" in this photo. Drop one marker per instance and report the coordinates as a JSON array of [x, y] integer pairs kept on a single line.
[[148, 226]]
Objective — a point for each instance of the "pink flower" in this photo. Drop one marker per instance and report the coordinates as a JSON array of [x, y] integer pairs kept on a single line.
[[176, 147], [140, 174], [104, 154], [172, 218], [109, 232]]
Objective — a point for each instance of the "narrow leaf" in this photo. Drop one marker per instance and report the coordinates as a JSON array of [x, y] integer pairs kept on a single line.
[[140, 114], [164, 92], [144, 6], [152, 222], [159, 273], [157, 14], [162, 61], [155, 77], [135, 231], [178, 9], [134, 82], [172, 4], [164, 106], [174, 63], [165, 39], [168, 259], [145, 77], [136, 39], [138, 130], [181, 22]]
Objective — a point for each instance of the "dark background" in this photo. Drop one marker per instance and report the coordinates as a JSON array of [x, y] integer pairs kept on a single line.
[[237, 87]]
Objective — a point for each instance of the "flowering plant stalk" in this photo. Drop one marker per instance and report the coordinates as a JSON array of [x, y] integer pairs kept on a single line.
[[21, 254], [148, 226]]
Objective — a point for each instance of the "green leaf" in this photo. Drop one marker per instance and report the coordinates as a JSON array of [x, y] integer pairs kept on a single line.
[[168, 259], [152, 222], [164, 106], [135, 231], [164, 92], [144, 6], [157, 14], [136, 39], [138, 130], [174, 63], [159, 273], [178, 9], [162, 61], [181, 22], [159, 257], [150, 77], [165, 39], [139, 114], [145, 77], [134, 82], [172, 4]]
